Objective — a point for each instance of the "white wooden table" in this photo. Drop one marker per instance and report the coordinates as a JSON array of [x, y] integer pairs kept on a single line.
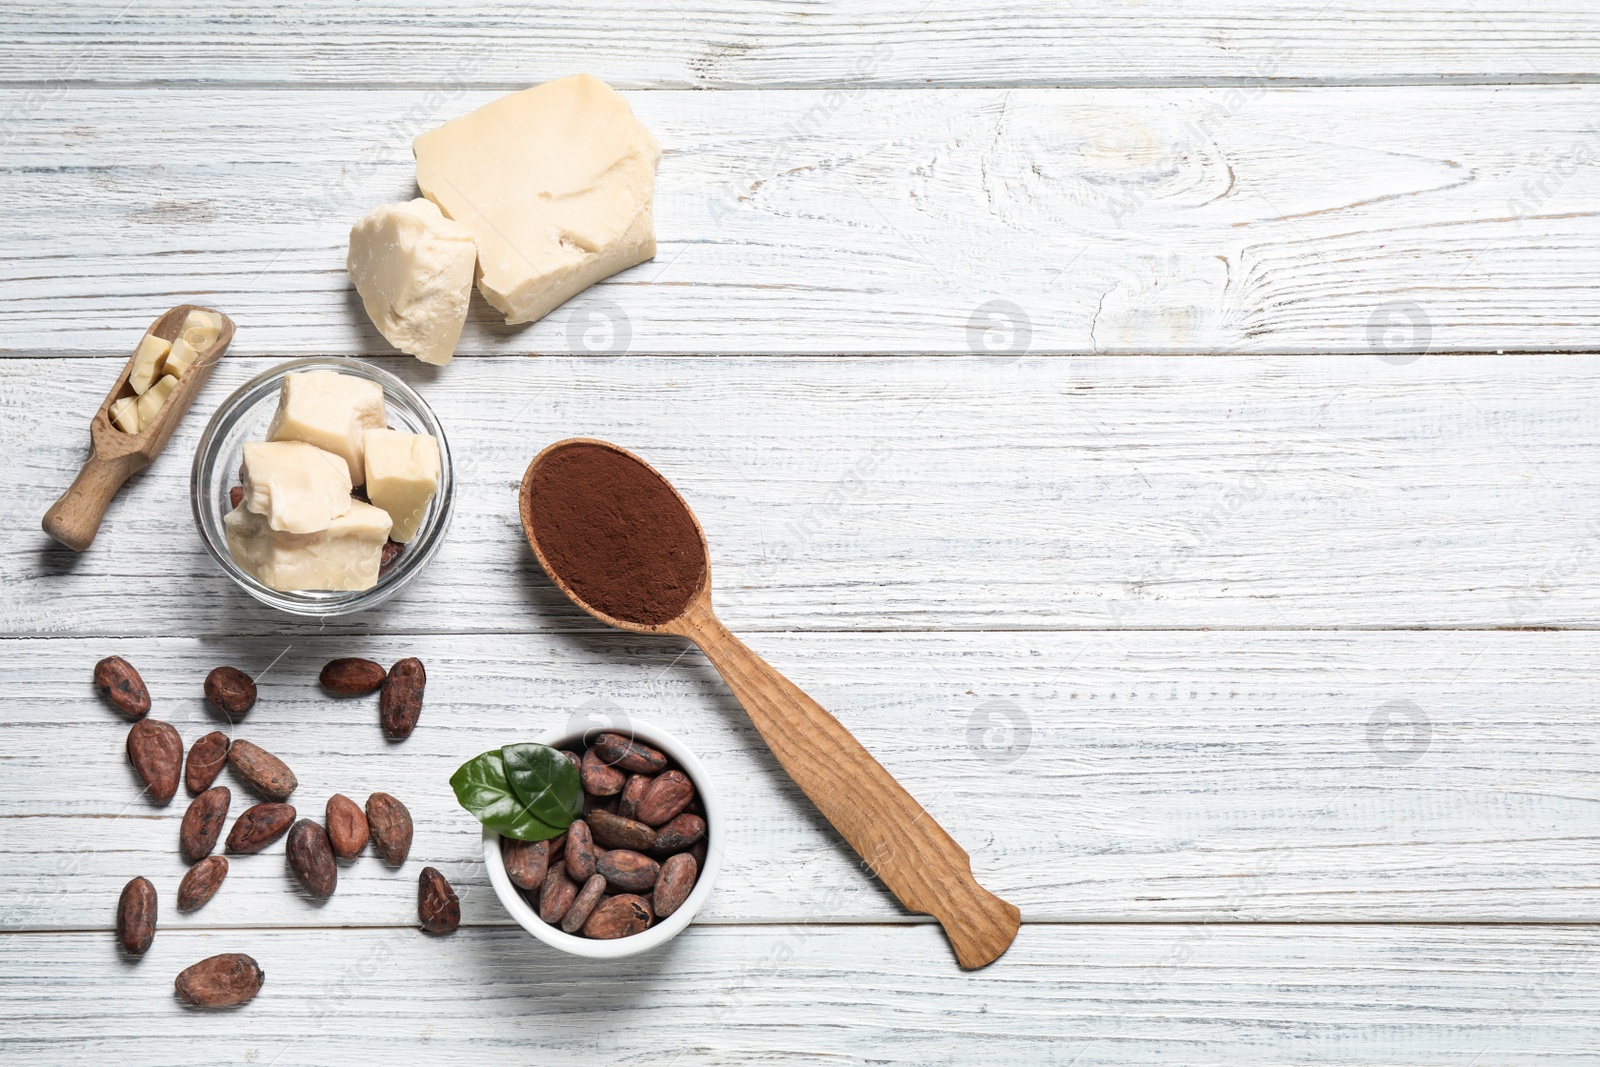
[[1234, 607]]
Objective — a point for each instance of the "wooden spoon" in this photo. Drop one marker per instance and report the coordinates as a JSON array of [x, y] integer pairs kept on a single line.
[[898, 841], [115, 456]]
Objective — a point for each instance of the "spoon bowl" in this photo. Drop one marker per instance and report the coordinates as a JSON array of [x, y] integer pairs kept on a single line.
[[603, 524]]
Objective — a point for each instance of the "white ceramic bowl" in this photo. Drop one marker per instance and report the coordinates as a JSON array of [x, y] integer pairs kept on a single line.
[[661, 932]]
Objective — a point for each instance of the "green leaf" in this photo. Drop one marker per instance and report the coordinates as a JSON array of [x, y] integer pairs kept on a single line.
[[545, 781], [482, 788]]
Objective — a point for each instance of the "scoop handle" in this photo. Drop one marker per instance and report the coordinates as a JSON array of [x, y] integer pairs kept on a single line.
[[895, 838], [74, 519]]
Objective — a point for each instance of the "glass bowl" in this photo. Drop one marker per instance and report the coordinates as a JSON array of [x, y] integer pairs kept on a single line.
[[244, 416]]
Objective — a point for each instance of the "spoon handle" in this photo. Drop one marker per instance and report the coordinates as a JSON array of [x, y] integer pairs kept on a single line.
[[74, 519], [897, 840]]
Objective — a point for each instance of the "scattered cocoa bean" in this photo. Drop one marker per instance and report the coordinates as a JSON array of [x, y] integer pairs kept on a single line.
[[206, 757], [666, 796], [580, 852], [202, 882], [632, 793], [259, 826], [618, 916], [584, 903], [347, 826], [236, 496], [156, 752], [680, 833], [261, 770], [599, 779], [628, 872], [231, 691], [437, 904], [389, 823], [122, 685], [557, 894], [526, 862], [613, 831], [677, 879], [136, 916], [221, 981], [626, 754], [311, 859], [400, 703], [203, 823], [352, 677]]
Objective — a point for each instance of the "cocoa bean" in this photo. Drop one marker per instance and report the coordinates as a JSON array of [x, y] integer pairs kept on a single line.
[[311, 859], [122, 686], [526, 862], [575, 759], [677, 879], [618, 916], [206, 757], [400, 703], [391, 553], [698, 851], [667, 795], [156, 752], [347, 827], [557, 894], [584, 904], [580, 852], [437, 904], [594, 803], [203, 823], [613, 831], [136, 916], [632, 793], [259, 826], [389, 823], [236, 496], [628, 872], [202, 882], [220, 981], [352, 677], [231, 691], [599, 779], [261, 770], [626, 754], [680, 833]]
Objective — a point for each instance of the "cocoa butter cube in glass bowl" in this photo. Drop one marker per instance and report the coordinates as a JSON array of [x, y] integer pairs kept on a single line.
[[245, 416], [660, 931]]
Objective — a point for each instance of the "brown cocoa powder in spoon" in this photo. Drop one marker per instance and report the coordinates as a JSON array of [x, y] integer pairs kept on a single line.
[[617, 534]]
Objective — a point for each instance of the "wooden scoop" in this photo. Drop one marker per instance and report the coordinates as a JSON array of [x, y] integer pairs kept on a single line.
[[75, 518], [898, 841]]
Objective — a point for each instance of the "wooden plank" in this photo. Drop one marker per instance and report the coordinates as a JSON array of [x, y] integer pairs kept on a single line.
[[723, 44], [1062, 995], [1154, 776], [1175, 220], [948, 494]]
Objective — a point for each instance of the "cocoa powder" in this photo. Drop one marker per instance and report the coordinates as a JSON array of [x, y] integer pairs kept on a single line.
[[615, 533]]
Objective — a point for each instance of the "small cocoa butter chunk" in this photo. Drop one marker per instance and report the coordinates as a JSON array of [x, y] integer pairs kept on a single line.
[[347, 826], [220, 981], [156, 752], [677, 879], [618, 916], [259, 826], [261, 770], [626, 754], [352, 677], [122, 685], [400, 703], [389, 823], [311, 859], [203, 822], [205, 760], [202, 882], [526, 862], [437, 905], [231, 691], [136, 916]]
